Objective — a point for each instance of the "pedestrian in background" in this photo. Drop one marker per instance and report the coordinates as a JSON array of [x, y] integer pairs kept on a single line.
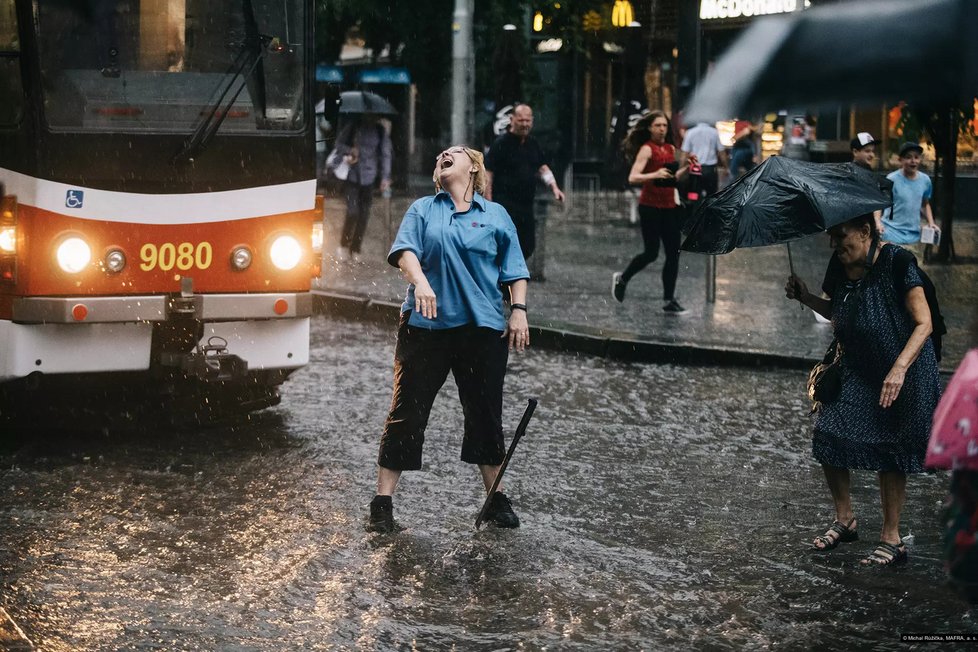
[[863, 148], [514, 163], [703, 142], [365, 145], [743, 154], [912, 190], [890, 382], [457, 250], [657, 170]]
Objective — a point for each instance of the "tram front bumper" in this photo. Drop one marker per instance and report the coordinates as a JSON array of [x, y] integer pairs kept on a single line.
[[268, 332]]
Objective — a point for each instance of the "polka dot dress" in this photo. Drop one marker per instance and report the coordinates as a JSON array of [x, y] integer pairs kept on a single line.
[[854, 432]]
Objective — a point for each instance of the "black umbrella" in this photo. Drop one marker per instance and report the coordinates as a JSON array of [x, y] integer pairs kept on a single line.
[[781, 200], [924, 51], [365, 102]]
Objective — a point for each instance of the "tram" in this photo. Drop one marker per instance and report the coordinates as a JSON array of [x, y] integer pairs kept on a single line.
[[159, 227]]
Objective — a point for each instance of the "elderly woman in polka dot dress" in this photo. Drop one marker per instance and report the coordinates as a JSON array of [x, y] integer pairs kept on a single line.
[[890, 383]]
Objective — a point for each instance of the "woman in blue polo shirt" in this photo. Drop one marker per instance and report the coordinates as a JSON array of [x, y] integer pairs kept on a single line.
[[457, 250]]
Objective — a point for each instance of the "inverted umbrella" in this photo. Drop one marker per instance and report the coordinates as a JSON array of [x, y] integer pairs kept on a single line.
[[954, 434], [365, 102], [924, 51], [781, 200]]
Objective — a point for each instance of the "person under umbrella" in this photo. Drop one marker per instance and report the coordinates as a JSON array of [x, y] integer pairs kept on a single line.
[[890, 383], [365, 145]]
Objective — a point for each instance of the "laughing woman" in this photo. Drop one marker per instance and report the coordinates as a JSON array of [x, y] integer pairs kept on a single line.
[[457, 251], [890, 383]]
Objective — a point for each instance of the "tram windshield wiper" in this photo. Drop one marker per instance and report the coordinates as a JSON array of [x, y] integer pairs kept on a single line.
[[248, 58]]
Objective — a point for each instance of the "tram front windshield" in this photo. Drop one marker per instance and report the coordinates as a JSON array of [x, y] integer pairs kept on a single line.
[[168, 65]]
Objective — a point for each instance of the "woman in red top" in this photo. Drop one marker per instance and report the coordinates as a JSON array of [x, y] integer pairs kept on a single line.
[[656, 168]]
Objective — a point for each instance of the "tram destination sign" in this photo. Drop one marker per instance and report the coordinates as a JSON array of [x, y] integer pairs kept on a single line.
[[723, 9]]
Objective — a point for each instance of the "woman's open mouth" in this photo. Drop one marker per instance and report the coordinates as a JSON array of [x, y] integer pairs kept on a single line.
[[447, 162]]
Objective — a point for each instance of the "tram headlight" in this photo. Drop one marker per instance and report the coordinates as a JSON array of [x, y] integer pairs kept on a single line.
[[241, 258], [286, 252], [8, 239], [317, 237], [115, 260], [74, 255]]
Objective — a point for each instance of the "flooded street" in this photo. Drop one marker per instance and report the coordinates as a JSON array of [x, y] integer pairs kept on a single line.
[[663, 507]]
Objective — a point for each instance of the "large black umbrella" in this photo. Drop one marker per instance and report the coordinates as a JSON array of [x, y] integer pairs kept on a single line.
[[365, 102], [781, 200], [923, 51]]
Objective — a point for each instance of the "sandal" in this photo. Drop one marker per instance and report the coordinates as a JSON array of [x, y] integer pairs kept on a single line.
[[845, 533], [886, 554]]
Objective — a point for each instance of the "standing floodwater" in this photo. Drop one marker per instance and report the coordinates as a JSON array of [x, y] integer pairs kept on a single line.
[[663, 507]]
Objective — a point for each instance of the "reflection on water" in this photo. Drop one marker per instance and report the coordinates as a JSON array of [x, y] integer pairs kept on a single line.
[[662, 507]]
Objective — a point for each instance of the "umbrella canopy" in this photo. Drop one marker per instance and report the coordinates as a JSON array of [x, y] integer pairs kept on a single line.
[[954, 435], [781, 200], [365, 102], [914, 50]]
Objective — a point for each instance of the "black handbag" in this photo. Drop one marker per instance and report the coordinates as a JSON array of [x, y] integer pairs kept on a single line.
[[825, 379]]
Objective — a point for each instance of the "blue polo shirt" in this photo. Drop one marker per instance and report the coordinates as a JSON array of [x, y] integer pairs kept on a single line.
[[464, 256]]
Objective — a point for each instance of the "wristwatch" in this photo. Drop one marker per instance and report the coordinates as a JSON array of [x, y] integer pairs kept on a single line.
[[518, 306]]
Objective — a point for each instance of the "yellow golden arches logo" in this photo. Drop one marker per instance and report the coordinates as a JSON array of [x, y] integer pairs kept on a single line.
[[622, 14]]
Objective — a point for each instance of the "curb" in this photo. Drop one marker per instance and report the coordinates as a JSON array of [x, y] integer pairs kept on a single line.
[[624, 346]]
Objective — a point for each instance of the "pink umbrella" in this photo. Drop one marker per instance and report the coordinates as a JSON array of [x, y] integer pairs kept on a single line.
[[954, 435]]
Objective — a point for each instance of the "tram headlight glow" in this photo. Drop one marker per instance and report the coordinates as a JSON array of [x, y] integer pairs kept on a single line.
[[286, 252], [241, 258], [74, 255], [8, 239], [115, 260], [317, 237]]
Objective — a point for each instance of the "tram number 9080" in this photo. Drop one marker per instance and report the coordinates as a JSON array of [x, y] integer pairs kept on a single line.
[[182, 256]]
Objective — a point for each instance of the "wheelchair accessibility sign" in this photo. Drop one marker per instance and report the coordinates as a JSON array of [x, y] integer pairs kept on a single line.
[[74, 198]]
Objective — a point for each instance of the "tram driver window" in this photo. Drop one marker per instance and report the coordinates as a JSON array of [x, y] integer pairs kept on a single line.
[[162, 65]]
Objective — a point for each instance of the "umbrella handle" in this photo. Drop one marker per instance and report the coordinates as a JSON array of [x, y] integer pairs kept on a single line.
[[791, 267]]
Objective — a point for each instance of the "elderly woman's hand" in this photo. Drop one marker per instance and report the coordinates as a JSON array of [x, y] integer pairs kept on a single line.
[[425, 301], [795, 289], [518, 330], [892, 385]]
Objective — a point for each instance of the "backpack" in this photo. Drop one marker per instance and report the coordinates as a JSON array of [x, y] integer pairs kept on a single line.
[[901, 261]]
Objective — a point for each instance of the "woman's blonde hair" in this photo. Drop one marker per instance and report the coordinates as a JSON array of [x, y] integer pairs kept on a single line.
[[479, 178]]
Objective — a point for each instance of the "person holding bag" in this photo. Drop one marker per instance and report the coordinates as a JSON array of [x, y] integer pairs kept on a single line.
[[880, 421], [362, 155]]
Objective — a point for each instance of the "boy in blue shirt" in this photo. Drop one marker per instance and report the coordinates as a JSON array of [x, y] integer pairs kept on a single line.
[[912, 190]]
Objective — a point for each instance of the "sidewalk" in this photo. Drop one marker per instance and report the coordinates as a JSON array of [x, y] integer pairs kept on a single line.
[[751, 323]]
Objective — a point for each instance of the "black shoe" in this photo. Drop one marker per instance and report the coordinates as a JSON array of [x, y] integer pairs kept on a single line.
[[381, 515], [501, 511], [673, 307], [617, 287]]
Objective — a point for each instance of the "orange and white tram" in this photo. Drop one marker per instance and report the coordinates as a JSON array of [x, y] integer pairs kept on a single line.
[[159, 229]]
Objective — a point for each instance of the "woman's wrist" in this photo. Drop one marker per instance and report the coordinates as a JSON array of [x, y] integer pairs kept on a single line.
[[517, 306]]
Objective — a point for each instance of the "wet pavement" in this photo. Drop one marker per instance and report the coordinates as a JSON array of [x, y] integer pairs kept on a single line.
[[750, 322], [663, 507]]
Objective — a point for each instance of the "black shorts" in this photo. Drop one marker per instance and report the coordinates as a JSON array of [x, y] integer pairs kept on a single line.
[[422, 359]]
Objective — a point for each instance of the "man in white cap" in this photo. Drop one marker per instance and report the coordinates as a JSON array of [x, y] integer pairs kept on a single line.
[[863, 148]]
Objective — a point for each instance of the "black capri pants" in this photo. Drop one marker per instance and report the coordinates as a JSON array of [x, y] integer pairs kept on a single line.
[[422, 359]]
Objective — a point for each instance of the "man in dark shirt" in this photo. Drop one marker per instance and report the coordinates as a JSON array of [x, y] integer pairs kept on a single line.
[[864, 155], [514, 162]]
